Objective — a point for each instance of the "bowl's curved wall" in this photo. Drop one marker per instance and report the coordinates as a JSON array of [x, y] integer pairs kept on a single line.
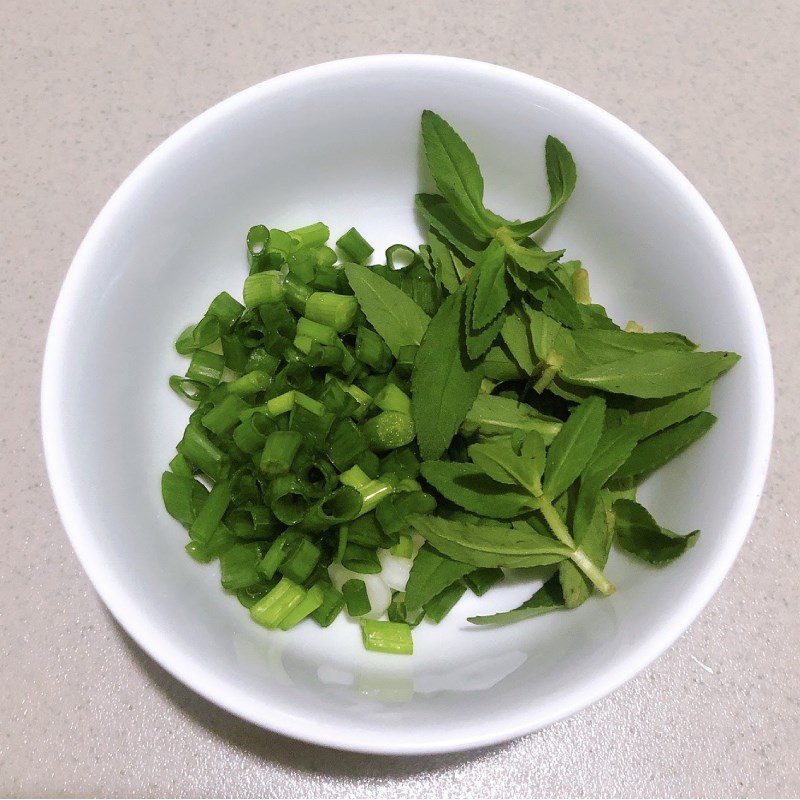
[[340, 142]]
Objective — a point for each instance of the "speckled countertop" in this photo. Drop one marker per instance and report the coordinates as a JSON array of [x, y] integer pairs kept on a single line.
[[88, 89]]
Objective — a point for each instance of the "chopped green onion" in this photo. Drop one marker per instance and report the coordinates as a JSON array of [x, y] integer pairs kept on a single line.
[[281, 241], [263, 287], [334, 310], [196, 337], [259, 359], [234, 352], [405, 360], [180, 466], [307, 606], [300, 561], [225, 416], [355, 246], [339, 506], [363, 560], [392, 398], [282, 404], [212, 512], [387, 637], [206, 367], [356, 599], [345, 444], [369, 463], [404, 547], [183, 497], [225, 309], [400, 257], [201, 452], [193, 391], [388, 430], [326, 257], [332, 603], [257, 248], [296, 293], [313, 235], [354, 477], [275, 606], [239, 566], [277, 552], [249, 384], [279, 451], [309, 404], [372, 350], [317, 331], [290, 500]]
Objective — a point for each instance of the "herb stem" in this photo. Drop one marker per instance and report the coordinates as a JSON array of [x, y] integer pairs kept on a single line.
[[581, 560]]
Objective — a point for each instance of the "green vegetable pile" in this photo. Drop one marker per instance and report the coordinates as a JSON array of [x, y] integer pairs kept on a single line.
[[382, 439]]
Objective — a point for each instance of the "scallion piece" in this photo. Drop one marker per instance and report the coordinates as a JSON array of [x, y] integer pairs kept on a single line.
[[206, 367], [279, 451], [196, 337], [312, 236], [212, 512], [334, 310], [332, 603], [224, 417], [307, 606], [250, 384], [391, 398], [276, 605], [277, 552], [440, 606], [290, 500], [263, 287], [257, 248], [389, 430], [201, 452], [300, 561], [226, 310], [356, 599], [387, 637], [372, 350], [355, 246]]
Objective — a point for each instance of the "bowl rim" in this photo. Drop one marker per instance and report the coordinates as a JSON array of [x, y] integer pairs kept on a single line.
[[189, 670]]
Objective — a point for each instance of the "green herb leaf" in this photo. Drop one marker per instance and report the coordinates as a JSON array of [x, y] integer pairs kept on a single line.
[[438, 214], [493, 414], [593, 535], [659, 373], [561, 178], [445, 269], [657, 450], [393, 314], [574, 445], [489, 546], [640, 535], [444, 385], [651, 417], [470, 487], [476, 341], [549, 597], [499, 461], [455, 171], [499, 366], [431, 573], [491, 292], [516, 336]]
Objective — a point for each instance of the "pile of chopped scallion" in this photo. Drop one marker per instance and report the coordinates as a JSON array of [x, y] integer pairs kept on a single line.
[[382, 439]]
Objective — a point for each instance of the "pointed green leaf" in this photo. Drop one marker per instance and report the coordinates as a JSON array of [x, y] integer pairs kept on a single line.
[[489, 546], [491, 292], [640, 535], [443, 384], [469, 486], [493, 414], [499, 461], [549, 597], [435, 211], [657, 450], [660, 373], [455, 171], [651, 417], [393, 314], [561, 178], [430, 574], [574, 445]]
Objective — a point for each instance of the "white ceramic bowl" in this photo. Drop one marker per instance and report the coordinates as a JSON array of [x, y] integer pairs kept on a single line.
[[340, 142]]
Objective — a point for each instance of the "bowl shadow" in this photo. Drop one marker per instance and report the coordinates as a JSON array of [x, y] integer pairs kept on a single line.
[[282, 750]]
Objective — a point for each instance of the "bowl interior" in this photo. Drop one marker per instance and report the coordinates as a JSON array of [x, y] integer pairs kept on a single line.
[[340, 143]]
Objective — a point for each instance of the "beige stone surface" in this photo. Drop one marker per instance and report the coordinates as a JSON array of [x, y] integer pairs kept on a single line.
[[87, 89]]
